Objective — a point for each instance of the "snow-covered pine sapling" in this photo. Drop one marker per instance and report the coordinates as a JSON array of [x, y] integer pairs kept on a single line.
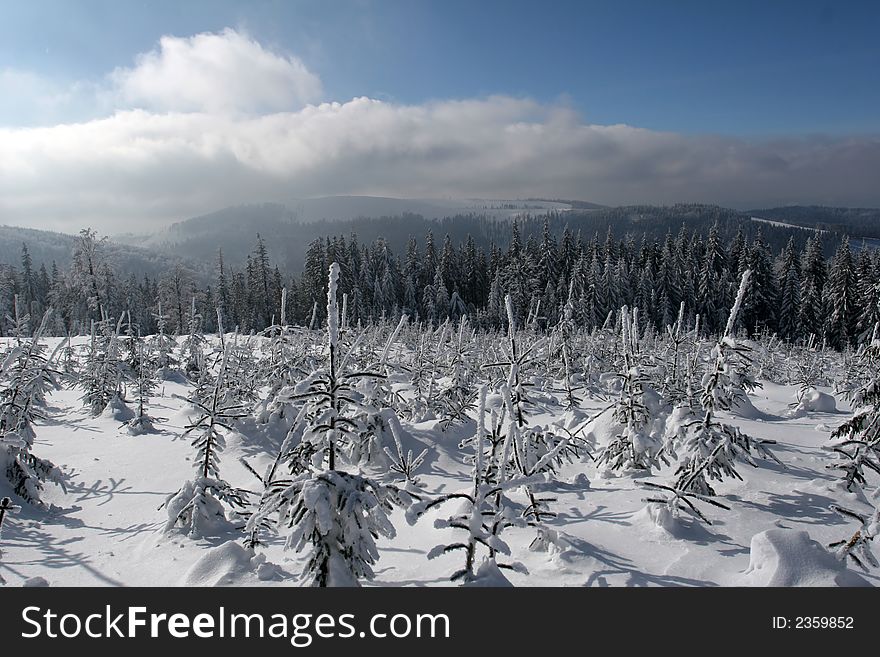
[[280, 370], [21, 321], [483, 513], [534, 450], [633, 448], [858, 452], [69, 364], [675, 382], [242, 371], [102, 376], [857, 443], [163, 344], [335, 515], [144, 387], [531, 454], [6, 507], [807, 372], [192, 351], [27, 377], [858, 546], [377, 393], [710, 447], [516, 359], [460, 396], [274, 482], [386, 352], [197, 508], [132, 343], [403, 461], [564, 329], [333, 403]]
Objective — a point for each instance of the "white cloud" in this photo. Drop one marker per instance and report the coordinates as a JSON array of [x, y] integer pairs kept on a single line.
[[214, 131], [225, 72]]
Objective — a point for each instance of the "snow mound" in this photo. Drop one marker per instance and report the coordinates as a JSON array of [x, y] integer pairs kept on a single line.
[[602, 429], [139, 426], [819, 402], [230, 564], [813, 401], [788, 557], [572, 419], [35, 582], [744, 408], [117, 409], [489, 575]]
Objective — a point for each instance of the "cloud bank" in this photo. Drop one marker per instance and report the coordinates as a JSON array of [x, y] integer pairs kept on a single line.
[[217, 119]]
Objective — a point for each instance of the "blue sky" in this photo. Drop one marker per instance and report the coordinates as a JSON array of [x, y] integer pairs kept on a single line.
[[745, 68], [149, 112]]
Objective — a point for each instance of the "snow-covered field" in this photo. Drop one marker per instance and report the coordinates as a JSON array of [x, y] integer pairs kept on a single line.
[[107, 528]]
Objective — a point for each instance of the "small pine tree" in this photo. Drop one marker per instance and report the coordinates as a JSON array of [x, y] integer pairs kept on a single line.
[[144, 386], [483, 514], [192, 351], [102, 375], [858, 439], [333, 514], [27, 377], [633, 448], [163, 344], [711, 448], [858, 453], [197, 508], [6, 507]]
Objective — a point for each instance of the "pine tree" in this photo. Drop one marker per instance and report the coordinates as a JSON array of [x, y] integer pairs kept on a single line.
[[813, 275], [102, 375], [163, 344], [483, 513], [27, 377], [868, 292], [222, 287], [197, 507], [840, 298], [857, 447], [192, 351], [6, 508], [790, 293], [333, 514], [633, 448], [711, 448], [144, 387], [759, 306]]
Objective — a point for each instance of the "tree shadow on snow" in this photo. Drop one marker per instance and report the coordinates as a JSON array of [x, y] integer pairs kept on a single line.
[[808, 508], [601, 513], [43, 551], [572, 549], [105, 491]]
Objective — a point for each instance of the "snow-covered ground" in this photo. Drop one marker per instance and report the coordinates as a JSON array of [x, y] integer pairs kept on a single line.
[[107, 528], [782, 224]]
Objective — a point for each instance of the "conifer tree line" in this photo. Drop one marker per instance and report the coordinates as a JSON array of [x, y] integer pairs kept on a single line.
[[794, 293]]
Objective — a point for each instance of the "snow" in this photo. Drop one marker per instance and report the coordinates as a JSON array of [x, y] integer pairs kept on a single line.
[[230, 564], [782, 224], [107, 529], [489, 575], [813, 401], [787, 557]]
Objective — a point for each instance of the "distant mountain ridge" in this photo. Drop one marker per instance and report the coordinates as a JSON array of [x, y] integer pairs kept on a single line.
[[46, 247], [287, 230], [855, 222]]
